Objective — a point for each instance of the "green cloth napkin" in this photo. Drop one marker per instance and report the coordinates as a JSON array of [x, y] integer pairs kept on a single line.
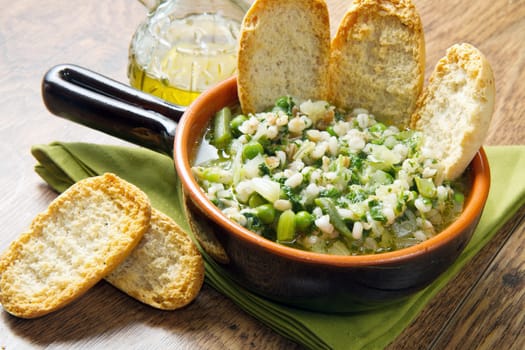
[[61, 164]]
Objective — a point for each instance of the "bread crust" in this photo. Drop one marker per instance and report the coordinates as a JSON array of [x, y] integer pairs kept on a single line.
[[284, 49], [377, 60], [455, 110], [84, 234], [165, 270]]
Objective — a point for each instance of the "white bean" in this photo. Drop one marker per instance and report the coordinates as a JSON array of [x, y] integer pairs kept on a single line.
[[323, 223], [294, 180], [357, 230], [282, 204]]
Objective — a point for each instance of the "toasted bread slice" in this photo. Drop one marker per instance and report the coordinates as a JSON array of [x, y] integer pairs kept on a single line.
[[165, 270], [455, 109], [377, 60], [82, 236], [284, 49]]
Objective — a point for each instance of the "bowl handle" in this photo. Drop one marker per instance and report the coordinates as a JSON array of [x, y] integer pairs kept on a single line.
[[90, 99]]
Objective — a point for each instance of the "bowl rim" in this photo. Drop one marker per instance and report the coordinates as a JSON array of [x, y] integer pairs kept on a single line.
[[227, 90]]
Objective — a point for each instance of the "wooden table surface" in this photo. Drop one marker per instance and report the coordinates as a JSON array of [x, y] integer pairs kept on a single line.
[[482, 308]]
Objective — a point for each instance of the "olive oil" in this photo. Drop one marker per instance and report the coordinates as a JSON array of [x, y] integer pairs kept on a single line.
[[178, 58]]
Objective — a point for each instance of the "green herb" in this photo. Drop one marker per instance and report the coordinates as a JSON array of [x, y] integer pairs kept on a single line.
[[376, 211], [285, 104]]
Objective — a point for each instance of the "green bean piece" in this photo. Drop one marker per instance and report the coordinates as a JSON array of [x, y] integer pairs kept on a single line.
[[286, 226], [252, 149], [221, 128], [266, 213], [328, 207], [303, 221]]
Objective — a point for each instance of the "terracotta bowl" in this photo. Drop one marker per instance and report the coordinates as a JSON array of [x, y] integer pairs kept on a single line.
[[306, 279]]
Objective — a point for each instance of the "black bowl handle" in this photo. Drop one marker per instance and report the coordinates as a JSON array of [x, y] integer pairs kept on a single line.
[[90, 99]]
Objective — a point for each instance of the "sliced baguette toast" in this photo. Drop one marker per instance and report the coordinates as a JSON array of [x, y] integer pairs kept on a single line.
[[84, 234], [283, 50], [377, 60], [455, 109], [165, 270]]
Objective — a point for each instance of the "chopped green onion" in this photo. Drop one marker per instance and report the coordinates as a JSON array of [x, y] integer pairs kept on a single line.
[[330, 192]]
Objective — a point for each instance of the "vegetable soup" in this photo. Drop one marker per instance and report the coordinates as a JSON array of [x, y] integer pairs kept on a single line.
[[317, 178]]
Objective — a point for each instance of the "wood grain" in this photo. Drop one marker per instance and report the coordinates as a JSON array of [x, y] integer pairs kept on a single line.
[[482, 318], [482, 308], [478, 283]]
